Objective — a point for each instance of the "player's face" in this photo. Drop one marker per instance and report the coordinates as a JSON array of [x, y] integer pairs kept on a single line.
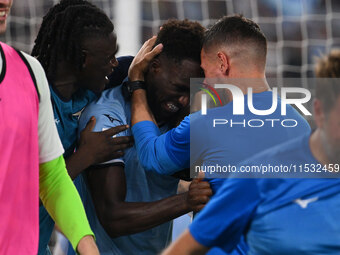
[[169, 88], [330, 133], [99, 62], [5, 6], [210, 65]]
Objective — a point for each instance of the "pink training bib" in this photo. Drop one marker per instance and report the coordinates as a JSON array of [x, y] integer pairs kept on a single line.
[[19, 156]]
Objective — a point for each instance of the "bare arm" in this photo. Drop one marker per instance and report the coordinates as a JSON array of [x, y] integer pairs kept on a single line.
[[140, 110], [187, 245], [108, 189]]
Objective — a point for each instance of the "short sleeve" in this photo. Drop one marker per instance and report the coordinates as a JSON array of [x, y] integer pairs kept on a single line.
[[106, 118], [225, 218], [50, 146]]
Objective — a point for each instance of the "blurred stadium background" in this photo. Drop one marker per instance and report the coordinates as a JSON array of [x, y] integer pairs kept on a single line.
[[296, 30]]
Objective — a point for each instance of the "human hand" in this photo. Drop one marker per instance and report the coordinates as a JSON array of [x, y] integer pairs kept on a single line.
[[198, 194], [99, 147], [87, 246], [143, 58]]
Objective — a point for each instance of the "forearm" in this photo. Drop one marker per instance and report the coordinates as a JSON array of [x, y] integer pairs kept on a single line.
[[163, 153], [78, 162], [140, 110], [152, 149], [126, 218], [62, 201]]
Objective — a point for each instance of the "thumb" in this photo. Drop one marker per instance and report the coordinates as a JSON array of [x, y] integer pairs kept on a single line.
[[90, 124], [200, 176]]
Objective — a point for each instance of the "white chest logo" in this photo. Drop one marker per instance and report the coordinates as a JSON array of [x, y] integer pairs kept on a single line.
[[77, 114], [304, 202]]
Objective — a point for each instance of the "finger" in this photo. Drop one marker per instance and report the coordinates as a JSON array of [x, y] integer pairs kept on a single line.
[[120, 147], [202, 192], [202, 199], [115, 130], [198, 208], [149, 43], [197, 185], [118, 154], [90, 124], [155, 51], [200, 177], [198, 192], [122, 140], [114, 155], [152, 40]]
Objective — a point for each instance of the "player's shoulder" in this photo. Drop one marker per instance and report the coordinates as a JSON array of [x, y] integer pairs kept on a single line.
[[112, 97], [34, 63], [109, 108]]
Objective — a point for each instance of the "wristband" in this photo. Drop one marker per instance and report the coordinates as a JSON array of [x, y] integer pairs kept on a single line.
[[129, 87]]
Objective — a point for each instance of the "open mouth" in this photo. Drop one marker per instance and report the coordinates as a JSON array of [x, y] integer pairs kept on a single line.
[[3, 14]]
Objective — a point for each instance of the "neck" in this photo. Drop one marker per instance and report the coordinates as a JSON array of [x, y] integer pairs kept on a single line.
[[65, 82], [316, 148], [248, 77], [257, 84]]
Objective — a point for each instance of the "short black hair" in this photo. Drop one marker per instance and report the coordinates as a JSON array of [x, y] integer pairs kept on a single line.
[[235, 30], [181, 39], [63, 30]]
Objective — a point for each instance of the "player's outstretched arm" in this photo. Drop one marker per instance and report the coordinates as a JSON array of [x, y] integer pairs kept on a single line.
[[63, 203], [185, 245], [108, 190], [163, 153]]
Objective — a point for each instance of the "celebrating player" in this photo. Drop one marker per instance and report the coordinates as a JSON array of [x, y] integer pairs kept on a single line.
[[76, 45], [256, 207], [31, 160], [131, 209], [234, 48]]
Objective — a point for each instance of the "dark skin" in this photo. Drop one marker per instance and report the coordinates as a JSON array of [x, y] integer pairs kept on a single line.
[[108, 189], [108, 185], [98, 62], [166, 85]]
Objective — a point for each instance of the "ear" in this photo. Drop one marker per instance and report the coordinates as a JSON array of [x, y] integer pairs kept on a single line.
[[319, 115], [184, 100], [155, 65], [223, 62]]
